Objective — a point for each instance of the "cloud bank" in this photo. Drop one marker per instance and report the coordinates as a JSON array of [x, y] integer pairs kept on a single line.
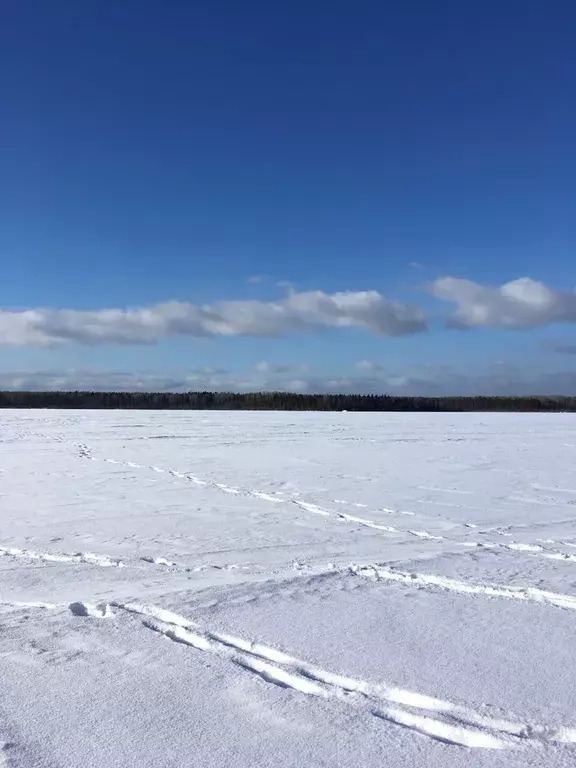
[[519, 304], [522, 303], [296, 313], [494, 380]]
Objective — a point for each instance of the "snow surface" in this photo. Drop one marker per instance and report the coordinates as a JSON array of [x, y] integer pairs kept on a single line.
[[288, 590]]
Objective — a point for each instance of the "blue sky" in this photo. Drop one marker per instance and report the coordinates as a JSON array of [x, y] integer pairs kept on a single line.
[[352, 196]]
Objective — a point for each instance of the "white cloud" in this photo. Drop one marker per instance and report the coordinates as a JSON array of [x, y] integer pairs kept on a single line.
[[521, 303], [262, 366], [255, 279], [494, 380], [518, 304], [296, 385], [265, 367], [296, 313], [100, 380], [208, 370], [368, 365], [397, 381]]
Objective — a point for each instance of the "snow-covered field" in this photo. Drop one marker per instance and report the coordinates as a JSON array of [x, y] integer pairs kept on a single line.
[[288, 590]]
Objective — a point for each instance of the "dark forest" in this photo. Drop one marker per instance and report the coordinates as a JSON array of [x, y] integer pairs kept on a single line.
[[278, 401]]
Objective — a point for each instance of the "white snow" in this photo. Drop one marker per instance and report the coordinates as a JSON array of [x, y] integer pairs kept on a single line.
[[195, 589]]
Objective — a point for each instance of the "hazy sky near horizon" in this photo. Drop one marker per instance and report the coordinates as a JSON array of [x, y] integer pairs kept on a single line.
[[368, 196]]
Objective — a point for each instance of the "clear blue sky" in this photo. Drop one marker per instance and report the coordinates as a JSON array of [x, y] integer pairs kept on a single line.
[[284, 154]]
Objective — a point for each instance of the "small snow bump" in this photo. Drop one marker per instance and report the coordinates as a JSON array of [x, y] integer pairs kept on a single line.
[[99, 611]]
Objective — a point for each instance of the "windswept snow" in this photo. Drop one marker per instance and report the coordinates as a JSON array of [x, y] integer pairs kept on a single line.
[[279, 589]]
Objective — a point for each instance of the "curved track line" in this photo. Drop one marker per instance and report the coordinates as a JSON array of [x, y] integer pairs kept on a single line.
[[85, 453], [103, 561], [452, 723], [89, 558], [518, 547], [432, 581], [355, 519]]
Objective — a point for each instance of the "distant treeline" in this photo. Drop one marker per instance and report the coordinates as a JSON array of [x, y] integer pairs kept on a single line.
[[277, 401]]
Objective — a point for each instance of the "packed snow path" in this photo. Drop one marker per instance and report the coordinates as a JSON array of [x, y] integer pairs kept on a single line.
[[199, 588]]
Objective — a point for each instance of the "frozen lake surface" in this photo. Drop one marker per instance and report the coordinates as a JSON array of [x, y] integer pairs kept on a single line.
[[287, 589]]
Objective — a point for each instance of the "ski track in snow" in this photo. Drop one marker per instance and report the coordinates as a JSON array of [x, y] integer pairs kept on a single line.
[[518, 547], [523, 549], [87, 558], [166, 563], [442, 720], [85, 453], [104, 561], [316, 509], [445, 721], [432, 581]]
